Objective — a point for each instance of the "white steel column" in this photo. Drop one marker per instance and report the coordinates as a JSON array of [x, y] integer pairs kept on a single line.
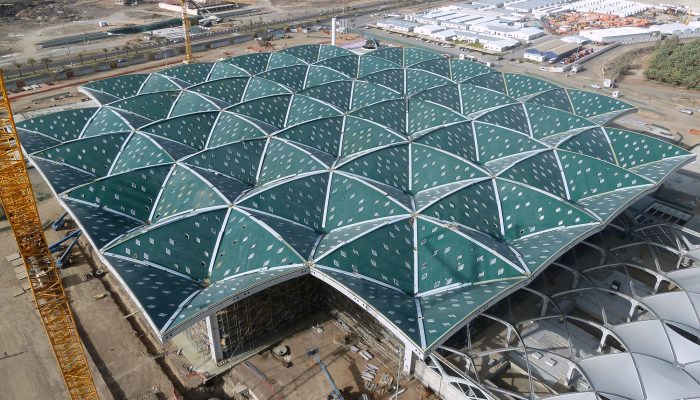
[[333, 31], [214, 338], [409, 362]]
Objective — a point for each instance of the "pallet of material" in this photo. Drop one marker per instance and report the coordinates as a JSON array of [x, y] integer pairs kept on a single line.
[[366, 355], [370, 386], [386, 380]]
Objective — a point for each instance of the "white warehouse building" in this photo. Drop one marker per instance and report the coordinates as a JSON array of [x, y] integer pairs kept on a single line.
[[445, 35], [499, 29], [529, 6], [500, 44], [618, 34], [428, 30], [397, 25]]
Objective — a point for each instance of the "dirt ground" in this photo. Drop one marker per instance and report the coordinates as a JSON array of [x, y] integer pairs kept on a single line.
[[18, 37]]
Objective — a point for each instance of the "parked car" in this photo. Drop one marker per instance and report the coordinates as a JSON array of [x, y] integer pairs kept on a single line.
[[595, 86], [687, 111]]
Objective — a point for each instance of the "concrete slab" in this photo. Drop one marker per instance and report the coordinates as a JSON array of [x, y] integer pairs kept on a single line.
[[20, 269], [12, 257], [21, 275], [17, 262]]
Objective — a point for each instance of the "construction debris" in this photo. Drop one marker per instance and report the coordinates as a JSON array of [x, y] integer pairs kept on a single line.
[[386, 380], [42, 10], [578, 21]]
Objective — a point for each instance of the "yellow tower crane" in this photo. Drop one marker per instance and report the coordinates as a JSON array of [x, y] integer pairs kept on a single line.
[[18, 201], [186, 27]]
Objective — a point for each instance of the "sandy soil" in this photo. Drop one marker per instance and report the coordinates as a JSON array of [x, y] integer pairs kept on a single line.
[[17, 39]]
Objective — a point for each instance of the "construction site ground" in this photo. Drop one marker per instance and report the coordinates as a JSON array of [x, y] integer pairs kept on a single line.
[[18, 36], [304, 380]]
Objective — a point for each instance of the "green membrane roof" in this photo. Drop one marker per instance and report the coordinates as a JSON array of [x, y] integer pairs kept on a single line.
[[422, 187]]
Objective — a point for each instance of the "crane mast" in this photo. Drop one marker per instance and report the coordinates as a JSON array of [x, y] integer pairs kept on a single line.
[[18, 200], [186, 27]]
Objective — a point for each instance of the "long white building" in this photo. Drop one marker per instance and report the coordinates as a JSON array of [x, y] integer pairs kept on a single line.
[[397, 25], [480, 17], [611, 35], [428, 30]]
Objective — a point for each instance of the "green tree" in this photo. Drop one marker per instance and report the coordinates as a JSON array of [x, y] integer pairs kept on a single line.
[[105, 52], [19, 67], [676, 63], [31, 62], [46, 62]]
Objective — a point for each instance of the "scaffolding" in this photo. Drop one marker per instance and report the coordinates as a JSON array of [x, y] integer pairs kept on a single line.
[[197, 334], [246, 324], [254, 321], [355, 320]]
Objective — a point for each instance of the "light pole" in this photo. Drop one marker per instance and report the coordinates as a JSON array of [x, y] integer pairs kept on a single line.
[[65, 39]]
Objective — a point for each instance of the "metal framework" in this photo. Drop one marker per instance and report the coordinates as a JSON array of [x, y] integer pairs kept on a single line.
[[186, 27], [20, 206], [632, 330]]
